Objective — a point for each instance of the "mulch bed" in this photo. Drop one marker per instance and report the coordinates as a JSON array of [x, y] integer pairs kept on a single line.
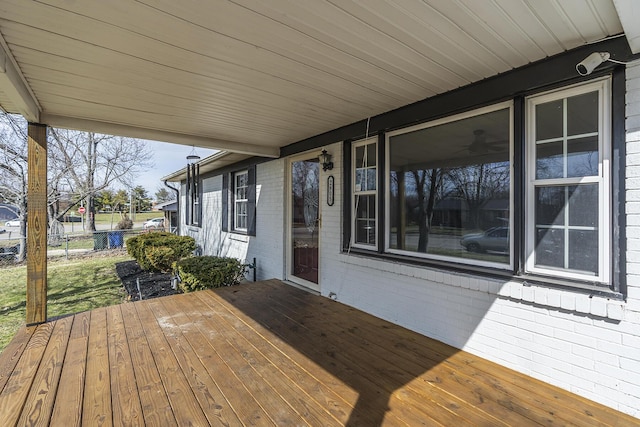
[[152, 285]]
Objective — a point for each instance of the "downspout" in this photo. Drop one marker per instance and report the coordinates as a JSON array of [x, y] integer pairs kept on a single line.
[[177, 206]]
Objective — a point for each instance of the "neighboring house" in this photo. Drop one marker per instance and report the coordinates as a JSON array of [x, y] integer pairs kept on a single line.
[[170, 211], [563, 306], [451, 213]]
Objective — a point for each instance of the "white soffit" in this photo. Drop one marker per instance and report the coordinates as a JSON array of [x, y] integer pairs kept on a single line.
[[252, 77], [15, 95], [629, 13]]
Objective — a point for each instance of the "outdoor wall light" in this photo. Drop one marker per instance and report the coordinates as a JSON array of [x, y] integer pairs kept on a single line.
[[325, 161]]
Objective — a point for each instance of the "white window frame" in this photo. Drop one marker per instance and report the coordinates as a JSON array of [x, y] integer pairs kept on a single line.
[[603, 179], [355, 193], [451, 259], [237, 201]]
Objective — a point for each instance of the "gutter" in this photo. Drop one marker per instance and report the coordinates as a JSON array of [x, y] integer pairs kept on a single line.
[[177, 206]]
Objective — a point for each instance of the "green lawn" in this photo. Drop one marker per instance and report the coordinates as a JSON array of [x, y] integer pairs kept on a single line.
[[105, 218], [74, 286]]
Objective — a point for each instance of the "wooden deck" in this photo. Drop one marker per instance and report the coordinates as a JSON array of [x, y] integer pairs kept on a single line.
[[263, 354]]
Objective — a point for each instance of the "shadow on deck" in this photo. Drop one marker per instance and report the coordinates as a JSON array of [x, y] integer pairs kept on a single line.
[[263, 354]]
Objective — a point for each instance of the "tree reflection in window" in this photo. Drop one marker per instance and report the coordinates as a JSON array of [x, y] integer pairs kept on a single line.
[[450, 184]]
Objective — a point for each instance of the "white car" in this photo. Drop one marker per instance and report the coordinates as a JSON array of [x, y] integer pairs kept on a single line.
[[154, 224], [12, 223]]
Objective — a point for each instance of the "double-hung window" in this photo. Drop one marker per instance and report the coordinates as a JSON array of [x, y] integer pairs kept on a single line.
[[568, 180], [365, 193], [240, 200]]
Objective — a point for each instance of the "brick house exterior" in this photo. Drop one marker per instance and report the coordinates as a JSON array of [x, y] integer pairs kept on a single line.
[[584, 341]]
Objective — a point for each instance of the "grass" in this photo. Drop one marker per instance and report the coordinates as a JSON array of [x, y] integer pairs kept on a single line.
[[105, 218], [73, 286]]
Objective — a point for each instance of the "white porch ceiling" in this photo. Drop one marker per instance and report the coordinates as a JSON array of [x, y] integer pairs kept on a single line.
[[250, 77]]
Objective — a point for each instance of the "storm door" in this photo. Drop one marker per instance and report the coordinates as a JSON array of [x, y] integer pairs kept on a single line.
[[304, 220]]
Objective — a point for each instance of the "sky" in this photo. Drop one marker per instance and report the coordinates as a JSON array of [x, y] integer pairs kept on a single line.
[[167, 158]]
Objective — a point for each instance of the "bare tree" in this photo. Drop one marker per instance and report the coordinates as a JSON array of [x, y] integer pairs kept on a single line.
[[92, 162], [163, 195], [13, 171], [427, 182], [477, 184]]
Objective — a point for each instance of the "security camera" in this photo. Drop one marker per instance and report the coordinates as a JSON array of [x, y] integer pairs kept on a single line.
[[586, 66]]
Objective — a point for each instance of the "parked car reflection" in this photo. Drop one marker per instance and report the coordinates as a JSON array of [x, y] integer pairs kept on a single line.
[[494, 239]]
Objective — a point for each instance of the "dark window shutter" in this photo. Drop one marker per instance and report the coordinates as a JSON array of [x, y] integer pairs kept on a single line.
[[225, 202], [251, 204]]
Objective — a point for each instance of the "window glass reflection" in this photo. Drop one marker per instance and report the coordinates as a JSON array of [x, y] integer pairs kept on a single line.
[[549, 120], [549, 160], [449, 190], [582, 157], [582, 114]]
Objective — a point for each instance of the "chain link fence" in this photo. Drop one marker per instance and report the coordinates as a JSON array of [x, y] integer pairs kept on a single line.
[[66, 245], [10, 245]]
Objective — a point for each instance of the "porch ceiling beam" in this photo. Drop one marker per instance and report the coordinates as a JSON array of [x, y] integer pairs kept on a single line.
[[158, 135], [629, 14], [15, 88]]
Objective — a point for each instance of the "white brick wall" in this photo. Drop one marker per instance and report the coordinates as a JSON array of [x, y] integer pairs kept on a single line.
[[268, 245], [588, 345]]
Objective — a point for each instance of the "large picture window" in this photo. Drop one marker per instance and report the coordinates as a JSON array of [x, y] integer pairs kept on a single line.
[[568, 180], [449, 188]]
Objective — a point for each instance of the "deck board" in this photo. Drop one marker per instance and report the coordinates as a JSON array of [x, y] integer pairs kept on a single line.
[[39, 402], [154, 402], [263, 354], [450, 388], [67, 410], [206, 391], [125, 401], [14, 395], [483, 386], [12, 353], [360, 367], [288, 364], [265, 370], [265, 395], [96, 407], [181, 397]]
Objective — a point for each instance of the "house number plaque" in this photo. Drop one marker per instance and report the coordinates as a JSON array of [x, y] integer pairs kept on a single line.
[[330, 192]]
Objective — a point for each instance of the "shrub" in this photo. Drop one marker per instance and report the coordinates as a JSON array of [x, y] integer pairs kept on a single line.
[[161, 258], [124, 224], [203, 272], [144, 248]]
